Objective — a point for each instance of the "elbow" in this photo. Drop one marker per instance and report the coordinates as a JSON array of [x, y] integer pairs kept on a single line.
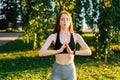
[[40, 53], [89, 52]]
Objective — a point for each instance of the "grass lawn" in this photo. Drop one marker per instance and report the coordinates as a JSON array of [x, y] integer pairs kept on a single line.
[[19, 62]]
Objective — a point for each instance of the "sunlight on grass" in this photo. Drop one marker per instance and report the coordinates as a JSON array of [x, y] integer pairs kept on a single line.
[[20, 62], [88, 34], [100, 72], [14, 55], [34, 74]]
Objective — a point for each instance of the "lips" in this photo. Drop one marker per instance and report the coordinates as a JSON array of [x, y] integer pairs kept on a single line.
[[65, 24]]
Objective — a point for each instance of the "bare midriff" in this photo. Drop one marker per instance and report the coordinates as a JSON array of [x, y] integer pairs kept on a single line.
[[64, 58]]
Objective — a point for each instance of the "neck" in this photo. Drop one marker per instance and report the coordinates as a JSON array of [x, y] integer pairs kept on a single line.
[[64, 31]]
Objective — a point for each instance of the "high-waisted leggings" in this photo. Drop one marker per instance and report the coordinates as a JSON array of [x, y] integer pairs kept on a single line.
[[63, 72]]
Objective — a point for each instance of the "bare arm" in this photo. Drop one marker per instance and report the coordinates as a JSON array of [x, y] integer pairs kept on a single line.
[[44, 49], [85, 49]]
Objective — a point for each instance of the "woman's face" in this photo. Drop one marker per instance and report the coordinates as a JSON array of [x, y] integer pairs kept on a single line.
[[64, 21]]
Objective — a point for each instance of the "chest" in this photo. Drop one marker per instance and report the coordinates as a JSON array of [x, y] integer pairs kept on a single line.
[[63, 38], [60, 40]]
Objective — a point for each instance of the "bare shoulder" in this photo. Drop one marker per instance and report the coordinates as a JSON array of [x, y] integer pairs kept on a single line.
[[52, 37], [77, 37]]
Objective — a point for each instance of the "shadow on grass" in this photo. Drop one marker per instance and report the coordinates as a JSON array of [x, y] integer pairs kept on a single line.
[[113, 60], [25, 63], [29, 63], [15, 46]]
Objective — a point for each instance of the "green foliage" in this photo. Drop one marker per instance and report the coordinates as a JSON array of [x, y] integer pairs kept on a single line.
[[87, 9], [108, 28], [40, 23], [64, 5], [42, 20], [9, 11], [26, 7], [78, 19], [91, 12]]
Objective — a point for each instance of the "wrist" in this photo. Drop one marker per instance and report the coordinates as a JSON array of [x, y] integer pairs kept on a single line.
[[74, 52], [59, 51]]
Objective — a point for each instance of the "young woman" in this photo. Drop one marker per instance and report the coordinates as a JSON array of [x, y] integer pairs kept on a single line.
[[64, 40]]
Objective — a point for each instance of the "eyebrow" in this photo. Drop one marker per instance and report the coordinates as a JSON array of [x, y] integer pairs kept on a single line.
[[63, 18]]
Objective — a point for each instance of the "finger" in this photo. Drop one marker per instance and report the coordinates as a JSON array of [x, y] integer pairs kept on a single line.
[[67, 45], [63, 46]]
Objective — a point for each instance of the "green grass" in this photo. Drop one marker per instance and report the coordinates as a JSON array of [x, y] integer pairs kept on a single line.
[[91, 69], [28, 65], [13, 30], [15, 46], [19, 62]]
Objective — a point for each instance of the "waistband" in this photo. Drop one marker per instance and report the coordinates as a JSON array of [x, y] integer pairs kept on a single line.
[[55, 63]]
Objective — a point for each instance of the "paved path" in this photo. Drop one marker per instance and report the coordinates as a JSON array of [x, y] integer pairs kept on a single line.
[[6, 37]]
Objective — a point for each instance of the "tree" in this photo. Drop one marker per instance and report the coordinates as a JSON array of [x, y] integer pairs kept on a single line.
[[79, 14], [108, 27], [104, 13], [39, 23], [42, 16], [42, 19], [9, 13], [27, 6]]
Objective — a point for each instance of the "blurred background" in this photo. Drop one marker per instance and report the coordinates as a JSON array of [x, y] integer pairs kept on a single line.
[[29, 22]]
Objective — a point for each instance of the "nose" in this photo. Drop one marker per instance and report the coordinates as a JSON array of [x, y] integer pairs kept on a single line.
[[65, 20]]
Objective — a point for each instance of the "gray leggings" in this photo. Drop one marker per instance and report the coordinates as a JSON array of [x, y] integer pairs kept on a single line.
[[63, 72]]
